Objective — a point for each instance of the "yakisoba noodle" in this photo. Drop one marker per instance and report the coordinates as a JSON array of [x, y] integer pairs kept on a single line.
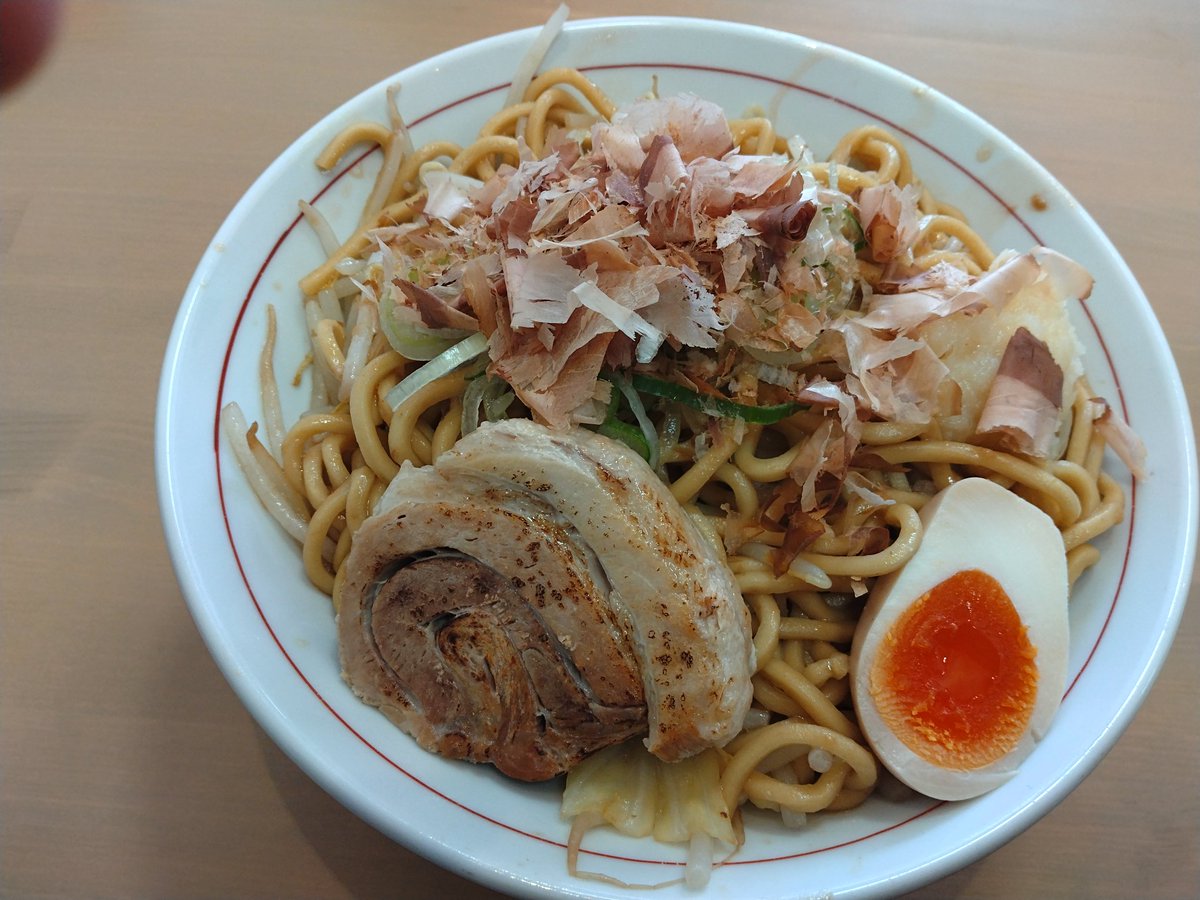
[[801, 751]]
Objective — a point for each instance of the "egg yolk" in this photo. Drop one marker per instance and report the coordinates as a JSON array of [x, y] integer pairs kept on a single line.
[[955, 677]]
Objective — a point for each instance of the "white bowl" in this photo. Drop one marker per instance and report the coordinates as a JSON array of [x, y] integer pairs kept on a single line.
[[273, 634]]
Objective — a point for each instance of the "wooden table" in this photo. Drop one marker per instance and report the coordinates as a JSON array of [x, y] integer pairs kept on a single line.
[[129, 768]]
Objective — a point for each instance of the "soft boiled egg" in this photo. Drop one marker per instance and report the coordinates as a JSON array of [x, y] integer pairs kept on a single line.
[[959, 661]]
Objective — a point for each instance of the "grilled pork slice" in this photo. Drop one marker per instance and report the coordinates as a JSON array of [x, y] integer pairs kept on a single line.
[[479, 622], [537, 596], [670, 589]]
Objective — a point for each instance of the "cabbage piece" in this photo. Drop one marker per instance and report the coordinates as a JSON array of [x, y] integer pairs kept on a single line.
[[639, 794]]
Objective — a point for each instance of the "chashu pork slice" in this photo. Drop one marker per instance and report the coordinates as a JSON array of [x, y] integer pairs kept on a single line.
[[670, 588], [479, 622]]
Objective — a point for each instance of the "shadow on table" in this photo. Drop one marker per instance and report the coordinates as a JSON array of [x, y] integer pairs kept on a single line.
[[365, 861], [369, 864]]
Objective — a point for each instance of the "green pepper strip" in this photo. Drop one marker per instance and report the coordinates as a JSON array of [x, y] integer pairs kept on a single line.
[[714, 406], [614, 428], [628, 435]]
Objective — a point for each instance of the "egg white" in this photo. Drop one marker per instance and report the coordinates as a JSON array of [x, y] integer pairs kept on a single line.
[[973, 524]]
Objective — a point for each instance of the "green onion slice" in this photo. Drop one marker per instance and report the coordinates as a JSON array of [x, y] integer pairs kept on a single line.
[[718, 407]]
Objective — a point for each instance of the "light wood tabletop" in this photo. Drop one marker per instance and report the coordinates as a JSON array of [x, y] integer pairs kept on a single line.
[[128, 768]]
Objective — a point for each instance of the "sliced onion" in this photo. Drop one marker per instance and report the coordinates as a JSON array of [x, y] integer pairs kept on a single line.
[[643, 420], [462, 352], [411, 339]]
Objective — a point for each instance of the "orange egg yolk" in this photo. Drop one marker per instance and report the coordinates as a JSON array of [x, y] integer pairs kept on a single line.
[[955, 677]]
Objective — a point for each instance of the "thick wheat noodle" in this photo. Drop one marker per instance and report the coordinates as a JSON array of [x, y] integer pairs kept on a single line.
[[888, 560], [764, 791], [870, 140], [402, 436], [766, 582], [836, 690], [319, 525], [817, 606], [1108, 512], [316, 489], [1077, 477], [887, 160], [364, 413], [422, 442], [754, 136], [939, 471], [1080, 559], [766, 633], [322, 381], [298, 436], [535, 125], [350, 136], [744, 493], [752, 747], [688, 484], [814, 703], [792, 653], [383, 388], [763, 469], [738, 564], [822, 649], [931, 226], [574, 78], [848, 179], [506, 119], [448, 429], [876, 433], [1095, 455], [793, 628], [1062, 498], [358, 500], [342, 548], [832, 667], [483, 149], [771, 698], [406, 178], [333, 446], [849, 798], [914, 499]]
